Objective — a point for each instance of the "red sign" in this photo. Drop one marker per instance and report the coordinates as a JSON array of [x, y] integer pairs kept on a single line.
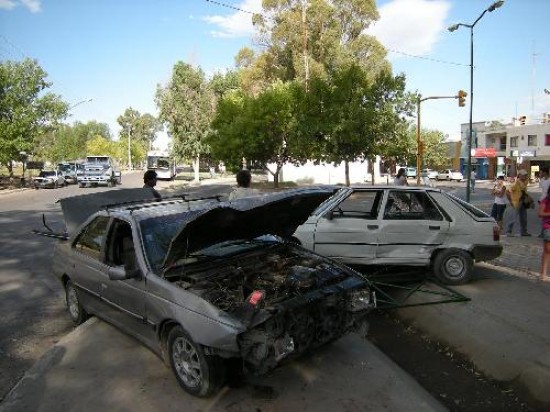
[[484, 152]]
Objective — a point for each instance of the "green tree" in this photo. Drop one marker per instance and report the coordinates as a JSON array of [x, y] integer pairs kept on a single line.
[[261, 129], [187, 106], [141, 130], [27, 110], [311, 39], [98, 145]]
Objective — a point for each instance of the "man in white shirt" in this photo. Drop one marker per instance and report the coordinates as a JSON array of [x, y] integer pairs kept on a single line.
[[243, 186]]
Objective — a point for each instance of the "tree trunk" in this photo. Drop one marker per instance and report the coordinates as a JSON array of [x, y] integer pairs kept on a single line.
[[10, 168], [196, 165], [346, 168]]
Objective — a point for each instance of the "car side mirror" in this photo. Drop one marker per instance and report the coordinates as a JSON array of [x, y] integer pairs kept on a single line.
[[120, 273]]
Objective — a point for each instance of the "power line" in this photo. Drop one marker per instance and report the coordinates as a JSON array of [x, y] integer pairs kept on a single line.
[[229, 6], [427, 58]]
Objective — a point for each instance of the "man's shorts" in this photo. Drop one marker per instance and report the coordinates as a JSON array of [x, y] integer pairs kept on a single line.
[[497, 212], [546, 235]]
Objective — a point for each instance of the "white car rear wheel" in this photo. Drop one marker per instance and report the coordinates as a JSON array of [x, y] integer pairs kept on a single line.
[[453, 266]]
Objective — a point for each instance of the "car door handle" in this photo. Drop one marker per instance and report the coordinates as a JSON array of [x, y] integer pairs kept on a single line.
[[434, 227], [372, 227]]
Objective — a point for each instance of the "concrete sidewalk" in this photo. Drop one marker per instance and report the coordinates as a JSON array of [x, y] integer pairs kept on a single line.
[[96, 368]]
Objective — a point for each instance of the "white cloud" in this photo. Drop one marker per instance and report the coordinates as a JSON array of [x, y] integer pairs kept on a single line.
[[7, 4], [237, 24], [34, 6], [411, 26]]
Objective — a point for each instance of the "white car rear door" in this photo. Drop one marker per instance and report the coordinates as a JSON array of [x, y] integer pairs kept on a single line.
[[411, 227]]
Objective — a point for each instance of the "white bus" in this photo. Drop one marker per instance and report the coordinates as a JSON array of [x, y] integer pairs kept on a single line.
[[162, 163]]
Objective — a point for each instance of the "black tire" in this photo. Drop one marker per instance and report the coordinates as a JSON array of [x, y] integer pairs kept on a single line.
[[76, 311], [453, 266], [197, 374]]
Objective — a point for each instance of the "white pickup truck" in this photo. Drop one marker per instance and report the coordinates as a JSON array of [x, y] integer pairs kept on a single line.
[[99, 171]]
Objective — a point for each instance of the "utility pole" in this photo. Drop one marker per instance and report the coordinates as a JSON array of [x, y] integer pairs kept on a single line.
[[129, 144], [419, 143], [304, 30]]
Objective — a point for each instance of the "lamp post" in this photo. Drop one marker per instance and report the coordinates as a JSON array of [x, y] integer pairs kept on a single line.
[[452, 28]]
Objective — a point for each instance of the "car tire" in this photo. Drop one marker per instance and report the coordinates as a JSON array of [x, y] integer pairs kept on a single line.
[[198, 374], [453, 266], [76, 311]]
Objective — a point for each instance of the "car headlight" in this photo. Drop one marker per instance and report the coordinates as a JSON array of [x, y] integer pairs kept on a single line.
[[362, 299]]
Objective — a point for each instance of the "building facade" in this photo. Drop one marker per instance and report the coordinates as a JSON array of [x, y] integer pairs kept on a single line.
[[499, 149]]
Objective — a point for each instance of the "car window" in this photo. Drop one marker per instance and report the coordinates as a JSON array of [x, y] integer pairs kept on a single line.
[[360, 204], [91, 239], [406, 205], [120, 245]]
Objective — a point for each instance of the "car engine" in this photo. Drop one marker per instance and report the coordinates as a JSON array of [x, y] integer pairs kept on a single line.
[[291, 301]]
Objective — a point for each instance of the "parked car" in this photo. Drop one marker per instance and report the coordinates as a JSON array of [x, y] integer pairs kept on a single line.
[[432, 174], [410, 171], [413, 226], [450, 174], [48, 179], [203, 282]]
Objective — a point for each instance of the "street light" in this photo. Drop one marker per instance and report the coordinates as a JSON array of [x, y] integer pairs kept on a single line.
[[452, 28]]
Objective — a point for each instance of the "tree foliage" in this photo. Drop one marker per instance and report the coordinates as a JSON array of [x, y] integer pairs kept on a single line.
[[187, 106], [141, 130], [261, 129], [27, 110]]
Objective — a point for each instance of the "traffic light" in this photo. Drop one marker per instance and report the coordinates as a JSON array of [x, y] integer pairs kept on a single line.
[[462, 98], [522, 120], [421, 148]]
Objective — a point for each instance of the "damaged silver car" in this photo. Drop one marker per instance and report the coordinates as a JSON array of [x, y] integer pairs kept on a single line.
[[205, 283]]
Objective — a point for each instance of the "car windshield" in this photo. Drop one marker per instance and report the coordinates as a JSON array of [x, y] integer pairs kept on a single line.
[[46, 174], [468, 206], [157, 234]]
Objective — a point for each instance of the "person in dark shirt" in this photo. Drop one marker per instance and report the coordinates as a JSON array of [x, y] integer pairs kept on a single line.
[[150, 180]]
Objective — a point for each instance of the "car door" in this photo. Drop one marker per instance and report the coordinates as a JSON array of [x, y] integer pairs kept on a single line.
[[411, 227], [86, 263], [349, 230], [125, 299]]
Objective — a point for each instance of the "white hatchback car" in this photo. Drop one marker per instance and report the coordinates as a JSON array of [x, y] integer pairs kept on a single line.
[[432, 174], [411, 226], [450, 174]]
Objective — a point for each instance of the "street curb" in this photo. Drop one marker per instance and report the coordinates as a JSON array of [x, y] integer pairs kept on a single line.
[[38, 369]]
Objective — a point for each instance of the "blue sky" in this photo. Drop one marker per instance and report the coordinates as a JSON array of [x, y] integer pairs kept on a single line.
[[117, 52]]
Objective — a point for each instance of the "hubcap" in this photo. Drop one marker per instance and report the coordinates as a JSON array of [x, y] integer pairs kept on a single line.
[[455, 266], [186, 362]]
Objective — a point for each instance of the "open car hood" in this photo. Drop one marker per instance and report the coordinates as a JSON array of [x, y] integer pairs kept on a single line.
[[77, 209], [247, 218]]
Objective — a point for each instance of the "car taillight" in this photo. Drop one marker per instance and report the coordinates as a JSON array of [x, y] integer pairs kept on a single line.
[[496, 233]]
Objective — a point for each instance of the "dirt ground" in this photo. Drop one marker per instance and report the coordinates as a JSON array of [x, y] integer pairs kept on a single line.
[[449, 377]]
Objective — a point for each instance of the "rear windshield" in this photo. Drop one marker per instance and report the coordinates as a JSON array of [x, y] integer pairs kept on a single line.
[[468, 207]]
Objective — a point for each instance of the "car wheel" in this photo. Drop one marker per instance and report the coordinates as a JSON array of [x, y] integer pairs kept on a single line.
[[76, 311], [453, 266], [197, 374]]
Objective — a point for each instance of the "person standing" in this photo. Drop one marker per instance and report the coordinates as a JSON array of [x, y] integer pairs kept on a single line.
[[544, 214], [473, 180], [243, 188], [519, 200], [544, 184], [401, 178], [499, 204], [149, 182]]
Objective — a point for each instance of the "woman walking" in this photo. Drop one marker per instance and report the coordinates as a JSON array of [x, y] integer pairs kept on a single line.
[[499, 204], [544, 214]]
